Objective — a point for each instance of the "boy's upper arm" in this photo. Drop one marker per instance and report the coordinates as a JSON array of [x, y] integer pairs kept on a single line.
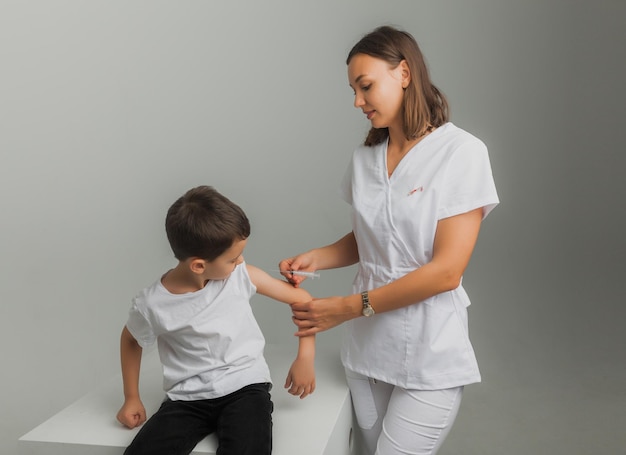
[[139, 328], [274, 288]]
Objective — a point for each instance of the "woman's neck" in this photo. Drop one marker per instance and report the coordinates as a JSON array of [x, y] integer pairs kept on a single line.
[[398, 146]]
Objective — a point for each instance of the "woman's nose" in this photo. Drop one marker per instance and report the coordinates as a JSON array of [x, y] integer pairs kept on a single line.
[[358, 100]]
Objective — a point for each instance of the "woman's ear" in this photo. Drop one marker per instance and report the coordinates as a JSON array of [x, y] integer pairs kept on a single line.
[[197, 266], [405, 73]]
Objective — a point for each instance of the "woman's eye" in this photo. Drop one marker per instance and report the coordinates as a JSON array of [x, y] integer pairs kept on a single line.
[[365, 88]]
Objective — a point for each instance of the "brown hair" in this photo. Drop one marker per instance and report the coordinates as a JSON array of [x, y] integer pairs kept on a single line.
[[424, 106], [202, 223]]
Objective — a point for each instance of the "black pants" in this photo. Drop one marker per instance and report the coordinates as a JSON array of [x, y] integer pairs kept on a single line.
[[242, 422]]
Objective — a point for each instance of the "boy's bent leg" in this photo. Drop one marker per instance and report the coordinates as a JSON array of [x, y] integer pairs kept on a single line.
[[245, 422], [174, 429]]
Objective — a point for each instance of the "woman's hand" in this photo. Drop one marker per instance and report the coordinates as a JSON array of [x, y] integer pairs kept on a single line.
[[303, 262], [342, 253], [323, 314]]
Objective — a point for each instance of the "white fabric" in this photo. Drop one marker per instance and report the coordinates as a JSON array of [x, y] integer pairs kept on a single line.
[[209, 342], [397, 421], [424, 345]]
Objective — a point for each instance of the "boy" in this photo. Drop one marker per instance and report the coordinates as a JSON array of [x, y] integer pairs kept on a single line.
[[209, 343]]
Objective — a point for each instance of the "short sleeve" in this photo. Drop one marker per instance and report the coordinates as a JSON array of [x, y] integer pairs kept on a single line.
[[244, 281], [345, 187], [468, 182], [139, 327]]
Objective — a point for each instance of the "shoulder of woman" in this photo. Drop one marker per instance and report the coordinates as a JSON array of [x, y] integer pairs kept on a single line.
[[461, 137]]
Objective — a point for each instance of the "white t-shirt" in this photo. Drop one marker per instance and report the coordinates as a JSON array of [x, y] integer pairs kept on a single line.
[[424, 345], [209, 342]]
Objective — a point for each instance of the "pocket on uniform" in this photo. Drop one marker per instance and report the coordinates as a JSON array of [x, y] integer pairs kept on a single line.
[[362, 399]]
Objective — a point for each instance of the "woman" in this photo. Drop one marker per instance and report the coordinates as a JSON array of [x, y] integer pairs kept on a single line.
[[419, 188]]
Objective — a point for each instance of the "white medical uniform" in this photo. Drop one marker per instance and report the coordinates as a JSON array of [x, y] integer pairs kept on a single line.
[[425, 345], [209, 342]]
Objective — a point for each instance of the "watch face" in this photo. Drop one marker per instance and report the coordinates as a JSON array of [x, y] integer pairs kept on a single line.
[[368, 311]]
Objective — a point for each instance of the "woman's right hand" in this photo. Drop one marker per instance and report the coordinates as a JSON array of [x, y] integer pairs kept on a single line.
[[304, 262]]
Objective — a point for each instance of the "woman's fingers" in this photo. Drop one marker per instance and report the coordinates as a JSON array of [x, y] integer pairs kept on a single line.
[[302, 323]]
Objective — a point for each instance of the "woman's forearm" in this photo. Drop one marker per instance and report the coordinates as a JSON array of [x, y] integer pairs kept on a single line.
[[342, 253], [414, 287], [454, 242]]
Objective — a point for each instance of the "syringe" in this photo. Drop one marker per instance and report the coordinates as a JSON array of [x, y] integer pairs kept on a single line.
[[311, 275]]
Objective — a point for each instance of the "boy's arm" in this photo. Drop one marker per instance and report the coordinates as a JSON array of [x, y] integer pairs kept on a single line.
[[276, 289], [301, 377], [132, 413]]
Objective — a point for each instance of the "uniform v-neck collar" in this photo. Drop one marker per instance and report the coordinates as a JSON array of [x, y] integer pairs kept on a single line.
[[403, 159]]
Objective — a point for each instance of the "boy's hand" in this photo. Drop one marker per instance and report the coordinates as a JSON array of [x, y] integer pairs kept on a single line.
[[301, 378], [132, 414]]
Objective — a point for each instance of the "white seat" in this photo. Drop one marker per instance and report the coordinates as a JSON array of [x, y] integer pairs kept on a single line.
[[318, 424]]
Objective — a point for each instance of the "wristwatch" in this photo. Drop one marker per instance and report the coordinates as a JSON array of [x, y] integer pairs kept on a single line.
[[367, 308]]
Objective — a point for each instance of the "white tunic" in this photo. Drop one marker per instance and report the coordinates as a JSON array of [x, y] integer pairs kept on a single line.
[[209, 342], [424, 345]]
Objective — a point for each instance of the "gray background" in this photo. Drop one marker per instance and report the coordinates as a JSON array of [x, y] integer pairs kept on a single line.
[[109, 110]]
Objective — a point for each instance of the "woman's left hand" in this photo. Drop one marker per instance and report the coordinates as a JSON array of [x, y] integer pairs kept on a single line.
[[322, 314]]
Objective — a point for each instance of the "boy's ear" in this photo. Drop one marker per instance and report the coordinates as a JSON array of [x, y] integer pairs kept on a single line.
[[197, 266]]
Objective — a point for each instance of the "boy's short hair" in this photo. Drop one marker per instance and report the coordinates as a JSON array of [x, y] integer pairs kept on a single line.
[[202, 223]]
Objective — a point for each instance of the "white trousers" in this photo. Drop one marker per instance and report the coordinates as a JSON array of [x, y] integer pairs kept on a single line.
[[397, 421]]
